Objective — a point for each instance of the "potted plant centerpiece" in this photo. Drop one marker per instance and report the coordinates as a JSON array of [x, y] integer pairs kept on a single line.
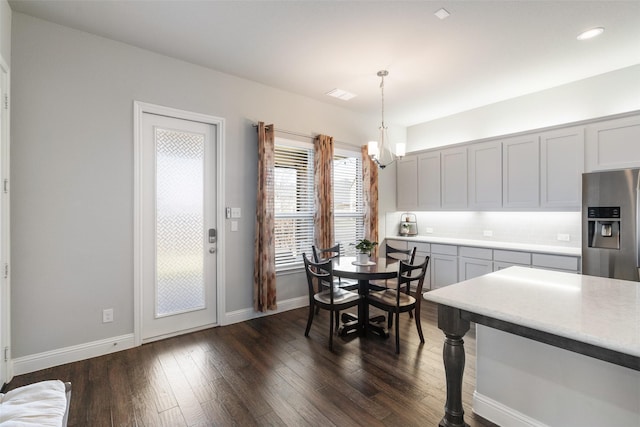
[[364, 248]]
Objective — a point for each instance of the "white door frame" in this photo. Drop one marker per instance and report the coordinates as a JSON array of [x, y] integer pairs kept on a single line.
[[6, 366], [139, 108]]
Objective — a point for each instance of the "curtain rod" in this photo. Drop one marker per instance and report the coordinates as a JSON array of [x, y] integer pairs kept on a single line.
[[288, 132]]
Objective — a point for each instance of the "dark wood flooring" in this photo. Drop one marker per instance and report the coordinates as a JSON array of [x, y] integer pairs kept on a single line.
[[266, 372]]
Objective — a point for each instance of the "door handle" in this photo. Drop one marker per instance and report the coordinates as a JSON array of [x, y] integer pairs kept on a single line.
[[212, 250]]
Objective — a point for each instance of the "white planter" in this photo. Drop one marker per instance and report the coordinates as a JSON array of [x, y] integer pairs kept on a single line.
[[363, 258]]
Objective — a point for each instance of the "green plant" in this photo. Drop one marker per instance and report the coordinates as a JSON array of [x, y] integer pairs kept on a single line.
[[365, 246]]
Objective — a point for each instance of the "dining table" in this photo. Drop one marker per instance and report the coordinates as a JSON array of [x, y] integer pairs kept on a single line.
[[374, 269]]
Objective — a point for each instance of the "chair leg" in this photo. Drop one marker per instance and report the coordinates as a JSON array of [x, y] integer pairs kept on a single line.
[[389, 320], [398, 332], [418, 324], [331, 331], [310, 319], [337, 321]]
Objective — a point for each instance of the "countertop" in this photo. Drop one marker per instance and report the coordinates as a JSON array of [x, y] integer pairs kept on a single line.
[[526, 247], [594, 310]]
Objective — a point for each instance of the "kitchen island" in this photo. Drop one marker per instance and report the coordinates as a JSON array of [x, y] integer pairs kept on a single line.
[[575, 314]]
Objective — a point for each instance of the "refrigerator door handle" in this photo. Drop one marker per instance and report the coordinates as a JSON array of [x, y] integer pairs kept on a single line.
[[638, 225]]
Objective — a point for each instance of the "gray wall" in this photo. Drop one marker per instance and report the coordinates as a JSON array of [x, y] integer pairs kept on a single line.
[[72, 174], [5, 31], [599, 96]]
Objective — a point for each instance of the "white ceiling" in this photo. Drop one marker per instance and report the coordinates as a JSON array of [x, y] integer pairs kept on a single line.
[[485, 52]]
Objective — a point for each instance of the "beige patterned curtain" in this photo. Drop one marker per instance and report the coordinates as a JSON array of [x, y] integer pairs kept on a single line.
[[323, 173], [370, 190], [264, 268]]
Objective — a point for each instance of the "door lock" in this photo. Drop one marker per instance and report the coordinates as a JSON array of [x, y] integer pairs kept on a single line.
[[212, 235]]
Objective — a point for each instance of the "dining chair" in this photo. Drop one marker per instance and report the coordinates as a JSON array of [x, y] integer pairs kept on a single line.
[[395, 254], [395, 301], [329, 297], [332, 253]]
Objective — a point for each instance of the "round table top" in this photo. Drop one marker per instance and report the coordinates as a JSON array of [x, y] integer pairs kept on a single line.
[[381, 268]]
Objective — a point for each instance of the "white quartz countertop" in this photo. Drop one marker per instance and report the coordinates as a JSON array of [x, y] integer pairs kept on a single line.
[[595, 310], [527, 247]]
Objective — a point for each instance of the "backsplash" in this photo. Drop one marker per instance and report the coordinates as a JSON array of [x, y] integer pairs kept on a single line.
[[541, 228]]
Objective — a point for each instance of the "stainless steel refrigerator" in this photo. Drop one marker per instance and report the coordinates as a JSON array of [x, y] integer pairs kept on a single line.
[[610, 224]]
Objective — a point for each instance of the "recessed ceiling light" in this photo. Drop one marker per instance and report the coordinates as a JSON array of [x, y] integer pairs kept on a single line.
[[341, 94], [589, 34], [442, 13]]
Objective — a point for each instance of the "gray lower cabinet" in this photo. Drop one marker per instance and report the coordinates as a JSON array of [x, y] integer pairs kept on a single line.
[[504, 259], [423, 250], [444, 265], [474, 262], [568, 264], [451, 264]]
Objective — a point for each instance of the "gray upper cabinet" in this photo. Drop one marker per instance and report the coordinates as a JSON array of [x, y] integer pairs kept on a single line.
[[485, 175], [613, 144], [454, 178], [531, 171], [429, 180], [407, 183], [561, 168], [521, 172]]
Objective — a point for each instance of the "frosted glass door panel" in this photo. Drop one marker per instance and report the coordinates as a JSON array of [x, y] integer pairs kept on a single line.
[[179, 222]]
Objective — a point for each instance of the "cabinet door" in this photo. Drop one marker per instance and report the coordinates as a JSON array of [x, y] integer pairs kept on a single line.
[[407, 183], [501, 265], [613, 144], [556, 262], [561, 168], [485, 175], [429, 180], [521, 172], [444, 270], [454, 178], [472, 267]]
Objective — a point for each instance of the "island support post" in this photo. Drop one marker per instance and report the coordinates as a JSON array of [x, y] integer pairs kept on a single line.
[[454, 327]]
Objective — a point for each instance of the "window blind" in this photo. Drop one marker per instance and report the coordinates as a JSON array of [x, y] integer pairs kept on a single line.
[[294, 203]]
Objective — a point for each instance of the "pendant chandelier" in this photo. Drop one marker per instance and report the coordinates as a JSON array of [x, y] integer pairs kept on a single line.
[[380, 152]]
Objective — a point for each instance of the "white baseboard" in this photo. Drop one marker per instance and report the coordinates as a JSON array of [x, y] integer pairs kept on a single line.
[[48, 359], [249, 313], [500, 414]]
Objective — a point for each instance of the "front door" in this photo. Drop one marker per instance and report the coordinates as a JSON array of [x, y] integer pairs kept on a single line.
[[178, 223]]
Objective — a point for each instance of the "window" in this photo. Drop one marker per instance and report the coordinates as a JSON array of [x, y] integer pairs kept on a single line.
[[294, 201], [348, 202]]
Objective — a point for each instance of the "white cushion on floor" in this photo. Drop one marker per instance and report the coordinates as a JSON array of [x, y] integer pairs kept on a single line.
[[40, 404]]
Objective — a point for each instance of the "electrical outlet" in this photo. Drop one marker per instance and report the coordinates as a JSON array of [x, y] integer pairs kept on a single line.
[[234, 225], [236, 212], [429, 230], [107, 315], [564, 237], [487, 233]]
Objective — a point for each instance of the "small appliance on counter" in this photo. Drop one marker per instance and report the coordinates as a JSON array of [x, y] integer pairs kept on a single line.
[[408, 225]]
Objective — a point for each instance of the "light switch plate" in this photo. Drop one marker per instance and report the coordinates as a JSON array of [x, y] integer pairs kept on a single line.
[[234, 225], [236, 213], [564, 237]]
